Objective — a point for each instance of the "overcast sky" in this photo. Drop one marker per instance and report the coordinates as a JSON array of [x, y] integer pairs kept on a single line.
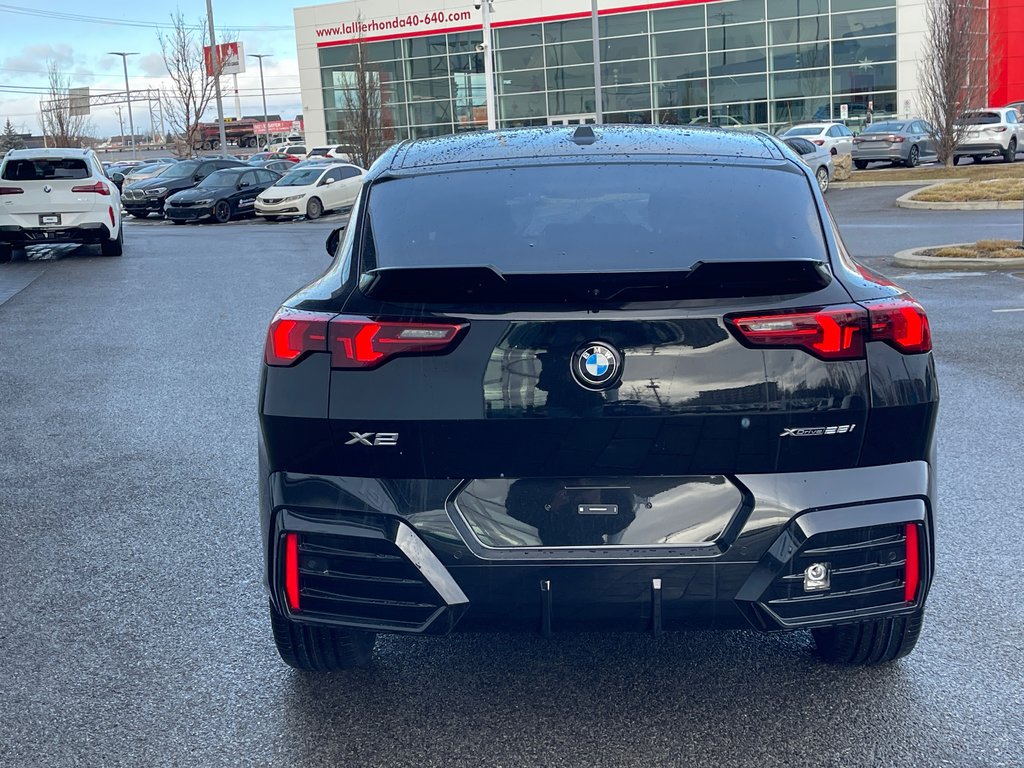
[[77, 36]]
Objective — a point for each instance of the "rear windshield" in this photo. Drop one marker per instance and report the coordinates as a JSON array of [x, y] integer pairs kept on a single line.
[[44, 169], [804, 131], [981, 118], [594, 218], [319, 151], [884, 128]]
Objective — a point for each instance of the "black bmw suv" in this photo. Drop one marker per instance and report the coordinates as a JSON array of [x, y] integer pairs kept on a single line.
[[602, 378]]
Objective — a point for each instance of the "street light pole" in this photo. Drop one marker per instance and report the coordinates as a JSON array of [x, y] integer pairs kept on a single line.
[[263, 90], [492, 117], [215, 63], [128, 94]]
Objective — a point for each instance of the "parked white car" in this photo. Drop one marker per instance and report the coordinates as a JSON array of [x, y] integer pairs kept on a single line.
[[343, 152], [993, 131], [311, 191], [57, 196], [835, 137], [815, 157]]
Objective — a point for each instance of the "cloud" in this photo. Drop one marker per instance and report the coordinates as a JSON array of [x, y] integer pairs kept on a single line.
[[151, 65], [33, 58]]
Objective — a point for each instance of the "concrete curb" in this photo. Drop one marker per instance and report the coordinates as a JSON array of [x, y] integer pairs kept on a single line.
[[912, 257], [904, 201], [869, 184]]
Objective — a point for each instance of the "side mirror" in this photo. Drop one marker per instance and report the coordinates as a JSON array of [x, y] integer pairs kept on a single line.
[[244, 184], [327, 181], [333, 240], [198, 177], [117, 178]]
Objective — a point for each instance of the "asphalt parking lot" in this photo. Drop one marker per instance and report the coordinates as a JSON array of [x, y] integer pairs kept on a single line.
[[134, 633]]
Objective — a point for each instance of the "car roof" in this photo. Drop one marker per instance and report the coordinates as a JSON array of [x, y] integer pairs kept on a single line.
[[54, 152], [583, 141]]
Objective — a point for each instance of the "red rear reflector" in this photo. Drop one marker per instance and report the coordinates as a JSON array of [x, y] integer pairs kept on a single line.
[[293, 333], [98, 188], [913, 567], [11, 191], [111, 211], [363, 343], [831, 333], [291, 569], [901, 322]]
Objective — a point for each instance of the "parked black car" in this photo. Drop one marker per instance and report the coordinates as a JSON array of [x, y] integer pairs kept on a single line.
[[551, 381], [145, 197], [221, 196]]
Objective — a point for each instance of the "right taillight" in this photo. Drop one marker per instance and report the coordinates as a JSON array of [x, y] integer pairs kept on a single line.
[[11, 191], [840, 332], [354, 342], [900, 322]]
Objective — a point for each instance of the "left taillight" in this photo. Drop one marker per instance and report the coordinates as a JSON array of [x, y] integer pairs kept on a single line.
[[11, 191], [99, 188], [354, 342]]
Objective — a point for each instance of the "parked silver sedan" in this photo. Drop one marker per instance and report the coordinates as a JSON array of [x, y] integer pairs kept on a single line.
[[818, 159], [895, 141]]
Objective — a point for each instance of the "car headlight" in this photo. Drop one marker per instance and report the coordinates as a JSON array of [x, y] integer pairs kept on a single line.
[[203, 202], [156, 191], [292, 199]]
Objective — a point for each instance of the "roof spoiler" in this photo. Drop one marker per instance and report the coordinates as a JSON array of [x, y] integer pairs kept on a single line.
[[704, 280]]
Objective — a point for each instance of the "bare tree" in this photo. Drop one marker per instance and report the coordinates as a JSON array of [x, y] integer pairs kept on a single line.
[[364, 119], [953, 69], [60, 127], [191, 87]]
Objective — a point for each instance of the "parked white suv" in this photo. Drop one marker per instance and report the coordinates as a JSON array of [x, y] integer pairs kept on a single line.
[[992, 131], [57, 196], [344, 152]]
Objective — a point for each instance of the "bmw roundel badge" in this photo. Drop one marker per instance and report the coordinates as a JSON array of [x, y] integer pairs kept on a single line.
[[596, 365]]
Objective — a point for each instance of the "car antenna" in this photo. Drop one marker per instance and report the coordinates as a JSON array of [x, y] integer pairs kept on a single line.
[[584, 136]]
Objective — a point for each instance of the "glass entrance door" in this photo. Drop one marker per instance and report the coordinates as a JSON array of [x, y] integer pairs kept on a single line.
[[573, 120]]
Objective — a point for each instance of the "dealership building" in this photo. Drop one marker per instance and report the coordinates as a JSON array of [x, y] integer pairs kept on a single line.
[[760, 62]]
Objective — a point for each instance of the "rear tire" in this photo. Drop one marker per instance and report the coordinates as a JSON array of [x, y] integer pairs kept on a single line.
[[320, 649], [870, 642], [821, 176], [113, 247], [314, 208], [6, 253], [1010, 155], [861, 164], [913, 157], [957, 158], [976, 158]]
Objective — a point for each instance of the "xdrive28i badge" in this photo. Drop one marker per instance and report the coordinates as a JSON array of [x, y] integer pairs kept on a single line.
[[596, 365]]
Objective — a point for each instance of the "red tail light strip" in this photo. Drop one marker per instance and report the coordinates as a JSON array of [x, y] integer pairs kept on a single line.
[[11, 191], [98, 188], [291, 570], [840, 332], [354, 342], [912, 576]]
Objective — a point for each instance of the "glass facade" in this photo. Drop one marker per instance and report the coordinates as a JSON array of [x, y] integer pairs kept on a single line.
[[759, 62]]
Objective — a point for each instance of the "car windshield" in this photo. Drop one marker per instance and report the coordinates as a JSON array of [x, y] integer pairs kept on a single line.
[[884, 128], [156, 169], [302, 177], [981, 118], [594, 217], [225, 178], [46, 168], [805, 130], [182, 169]]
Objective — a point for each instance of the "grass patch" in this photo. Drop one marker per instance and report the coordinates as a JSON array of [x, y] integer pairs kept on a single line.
[[986, 249], [973, 191], [985, 171]]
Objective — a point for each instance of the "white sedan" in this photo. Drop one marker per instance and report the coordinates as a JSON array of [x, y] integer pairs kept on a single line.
[[311, 191], [835, 137]]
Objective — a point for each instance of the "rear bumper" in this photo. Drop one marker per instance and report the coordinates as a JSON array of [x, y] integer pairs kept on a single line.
[[879, 153], [374, 566], [980, 148], [82, 234]]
